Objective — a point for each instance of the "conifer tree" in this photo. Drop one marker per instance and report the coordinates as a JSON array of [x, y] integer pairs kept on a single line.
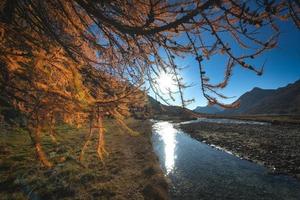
[[80, 60]]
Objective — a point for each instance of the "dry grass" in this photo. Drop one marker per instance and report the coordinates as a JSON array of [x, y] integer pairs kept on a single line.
[[131, 170]]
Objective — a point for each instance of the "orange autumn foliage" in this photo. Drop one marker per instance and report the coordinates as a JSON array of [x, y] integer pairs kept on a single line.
[[78, 61]]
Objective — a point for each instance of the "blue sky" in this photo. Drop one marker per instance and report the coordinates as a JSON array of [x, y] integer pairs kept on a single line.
[[281, 68]]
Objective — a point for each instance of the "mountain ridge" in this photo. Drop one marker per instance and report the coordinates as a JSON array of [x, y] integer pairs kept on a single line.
[[161, 111], [283, 100], [208, 109]]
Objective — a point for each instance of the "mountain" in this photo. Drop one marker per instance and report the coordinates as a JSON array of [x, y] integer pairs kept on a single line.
[[161, 111], [284, 100], [208, 109]]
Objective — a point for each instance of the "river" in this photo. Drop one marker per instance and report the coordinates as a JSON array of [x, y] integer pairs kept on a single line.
[[198, 171]]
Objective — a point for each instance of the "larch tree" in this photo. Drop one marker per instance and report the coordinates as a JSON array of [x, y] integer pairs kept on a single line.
[[111, 97], [43, 89], [80, 60]]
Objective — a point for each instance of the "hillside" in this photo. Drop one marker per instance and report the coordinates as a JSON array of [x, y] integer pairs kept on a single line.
[[161, 111], [284, 100], [208, 109]]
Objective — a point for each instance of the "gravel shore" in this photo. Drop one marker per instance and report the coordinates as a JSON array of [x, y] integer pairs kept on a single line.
[[275, 146]]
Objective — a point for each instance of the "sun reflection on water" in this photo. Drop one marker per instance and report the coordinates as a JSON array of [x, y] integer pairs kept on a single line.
[[167, 133]]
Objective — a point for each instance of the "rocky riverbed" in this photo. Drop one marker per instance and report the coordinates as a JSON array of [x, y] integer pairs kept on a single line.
[[275, 146]]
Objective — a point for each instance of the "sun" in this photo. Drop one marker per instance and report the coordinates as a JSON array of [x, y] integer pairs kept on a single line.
[[166, 82]]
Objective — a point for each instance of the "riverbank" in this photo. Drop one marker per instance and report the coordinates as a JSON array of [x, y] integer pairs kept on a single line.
[[275, 146], [272, 119], [131, 170]]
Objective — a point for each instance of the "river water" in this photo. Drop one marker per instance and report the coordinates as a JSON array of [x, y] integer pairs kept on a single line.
[[199, 171]]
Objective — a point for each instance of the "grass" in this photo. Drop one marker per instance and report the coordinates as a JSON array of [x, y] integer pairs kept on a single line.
[[131, 170]]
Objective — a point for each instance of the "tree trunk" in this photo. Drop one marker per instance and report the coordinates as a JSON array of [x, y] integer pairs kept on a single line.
[[88, 139], [101, 142], [52, 136], [38, 147], [51, 131]]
